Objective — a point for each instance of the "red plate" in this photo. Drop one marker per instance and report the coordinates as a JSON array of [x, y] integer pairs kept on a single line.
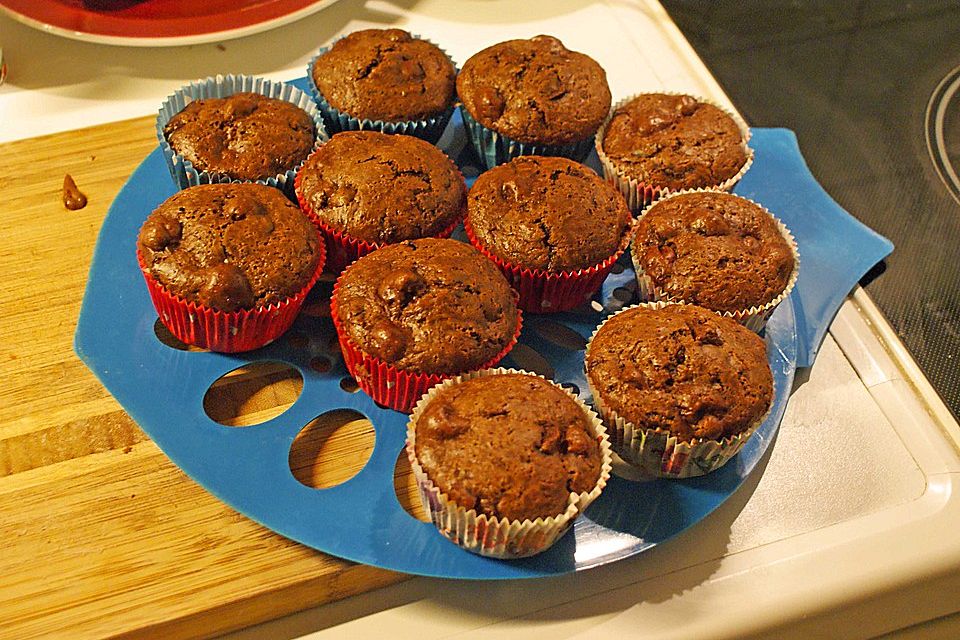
[[158, 22]]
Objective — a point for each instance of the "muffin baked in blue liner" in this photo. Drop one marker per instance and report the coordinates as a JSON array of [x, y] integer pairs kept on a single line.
[[429, 129], [184, 173]]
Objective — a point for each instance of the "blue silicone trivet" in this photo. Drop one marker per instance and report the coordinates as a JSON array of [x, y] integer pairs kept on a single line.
[[162, 388]]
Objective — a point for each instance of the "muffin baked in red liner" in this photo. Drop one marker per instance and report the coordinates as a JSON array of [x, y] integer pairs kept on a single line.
[[366, 189], [546, 292], [389, 385], [227, 332]]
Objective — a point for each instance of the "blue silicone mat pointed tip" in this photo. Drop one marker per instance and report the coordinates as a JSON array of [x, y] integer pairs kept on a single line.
[[836, 249]]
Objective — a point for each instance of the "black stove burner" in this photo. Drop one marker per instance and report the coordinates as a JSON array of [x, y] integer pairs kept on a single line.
[[872, 89]]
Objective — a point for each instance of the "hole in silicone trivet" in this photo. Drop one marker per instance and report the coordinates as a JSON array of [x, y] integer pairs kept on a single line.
[[252, 394], [623, 294], [559, 334], [321, 364], [163, 335], [616, 268], [405, 486], [332, 448], [349, 385], [529, 360], [572, 388], [297, 340]]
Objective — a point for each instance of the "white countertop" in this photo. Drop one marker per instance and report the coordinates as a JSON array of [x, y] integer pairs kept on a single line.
[[839, 532]]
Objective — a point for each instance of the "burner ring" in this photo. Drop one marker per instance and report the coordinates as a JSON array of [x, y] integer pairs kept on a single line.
[[936, 113]]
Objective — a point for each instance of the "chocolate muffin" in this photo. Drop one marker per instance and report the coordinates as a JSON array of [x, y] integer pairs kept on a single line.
[[426, 306], [230, 246], [547, 213], [245, 136], [673, 142], [381, 188], [509, 446], [535, 91], [713, 249], [385, 74], [680, 369]]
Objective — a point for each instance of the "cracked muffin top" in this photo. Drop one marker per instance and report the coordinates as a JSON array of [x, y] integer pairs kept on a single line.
[[535, 91], [386, 74], [246, 136], [675, 142], [429, 306], [230, 246], [509, 446], [681, 369], [713, 249], [547, 213], [382, 188]]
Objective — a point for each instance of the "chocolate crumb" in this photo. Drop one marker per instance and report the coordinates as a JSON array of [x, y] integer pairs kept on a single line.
[[73, 198]]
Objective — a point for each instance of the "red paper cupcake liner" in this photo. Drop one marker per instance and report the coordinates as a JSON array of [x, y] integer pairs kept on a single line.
[[548, 292], [342, 248], [389, 385], [227, 332]]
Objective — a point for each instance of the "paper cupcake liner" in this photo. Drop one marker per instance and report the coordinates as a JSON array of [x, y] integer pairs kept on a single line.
[[495, 148], [499, 537], [183, 172], [547, 292], [657, 453], [227, 332], [754, 318], [389, 385], [342, 248], [429, 129], [639, 194]]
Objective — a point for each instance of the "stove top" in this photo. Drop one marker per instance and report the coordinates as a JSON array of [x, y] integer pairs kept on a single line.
[[872, 89]]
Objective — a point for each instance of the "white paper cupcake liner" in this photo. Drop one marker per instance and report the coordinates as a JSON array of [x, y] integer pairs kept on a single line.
[[640, 194], [657, 453], [754, 318], [183, 172], [499, 537], [429, 129]]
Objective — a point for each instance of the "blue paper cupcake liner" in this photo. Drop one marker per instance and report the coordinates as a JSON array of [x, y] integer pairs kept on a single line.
[[494, 148], [429, 129], [183, 172]]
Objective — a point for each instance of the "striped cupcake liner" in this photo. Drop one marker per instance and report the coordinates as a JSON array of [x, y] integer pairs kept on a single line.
[[657, 453], [495, 148], [640, 194], [755, 317], [391, 386], [429, 129], [551, 292], [222, 331], [183, 172], [500, 537]]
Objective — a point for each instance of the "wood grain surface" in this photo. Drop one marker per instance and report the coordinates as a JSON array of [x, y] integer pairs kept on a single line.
[[100, 534]]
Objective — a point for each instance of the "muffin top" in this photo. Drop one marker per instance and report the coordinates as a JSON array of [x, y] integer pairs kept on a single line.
[[386, 74], [681, 369], [713, 249], [547, 213], [429, 306], [674, 142], [535, 91], [230, 246], [510, 446], [382, 188], [246, 136]]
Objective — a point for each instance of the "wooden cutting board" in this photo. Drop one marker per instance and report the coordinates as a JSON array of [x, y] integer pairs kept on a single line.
[[100, 534]]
